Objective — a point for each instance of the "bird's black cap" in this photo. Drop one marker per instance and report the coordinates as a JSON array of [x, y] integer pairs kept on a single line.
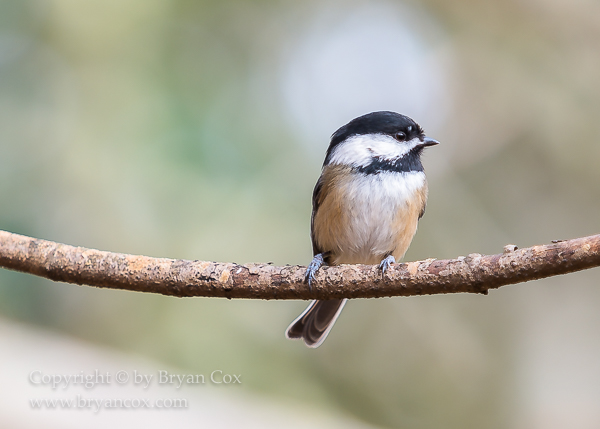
[[384, 122]]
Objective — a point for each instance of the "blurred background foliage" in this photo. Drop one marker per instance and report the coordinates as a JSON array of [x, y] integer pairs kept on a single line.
[[196, 129]]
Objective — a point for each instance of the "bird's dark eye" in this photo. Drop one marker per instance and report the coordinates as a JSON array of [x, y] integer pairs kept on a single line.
[[400, 136]]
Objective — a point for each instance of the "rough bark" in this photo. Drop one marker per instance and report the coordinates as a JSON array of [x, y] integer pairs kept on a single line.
[[474, 273]]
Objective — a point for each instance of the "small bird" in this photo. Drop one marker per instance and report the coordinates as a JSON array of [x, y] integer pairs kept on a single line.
[[366, 204]]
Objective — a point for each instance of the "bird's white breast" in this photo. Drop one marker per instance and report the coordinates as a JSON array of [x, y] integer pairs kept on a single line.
[[374, 203]]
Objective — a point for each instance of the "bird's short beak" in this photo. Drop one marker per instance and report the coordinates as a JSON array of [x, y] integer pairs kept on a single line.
[[429, 142]]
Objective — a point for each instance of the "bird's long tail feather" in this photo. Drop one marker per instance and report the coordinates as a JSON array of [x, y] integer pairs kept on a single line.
[[314, 324]]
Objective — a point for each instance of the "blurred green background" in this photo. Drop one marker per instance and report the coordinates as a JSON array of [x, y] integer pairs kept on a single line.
[[196, 129]]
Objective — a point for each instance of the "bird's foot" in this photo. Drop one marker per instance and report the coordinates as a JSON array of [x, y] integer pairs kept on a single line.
[[385, 264], [312, 269]]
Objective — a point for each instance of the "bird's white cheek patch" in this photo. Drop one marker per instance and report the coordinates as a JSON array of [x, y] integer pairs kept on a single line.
[[358, 151]]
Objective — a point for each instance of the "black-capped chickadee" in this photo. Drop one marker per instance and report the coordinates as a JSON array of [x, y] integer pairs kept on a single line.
[[366, 205]]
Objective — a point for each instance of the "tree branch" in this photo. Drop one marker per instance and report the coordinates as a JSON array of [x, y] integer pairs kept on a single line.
[[177, 277]]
